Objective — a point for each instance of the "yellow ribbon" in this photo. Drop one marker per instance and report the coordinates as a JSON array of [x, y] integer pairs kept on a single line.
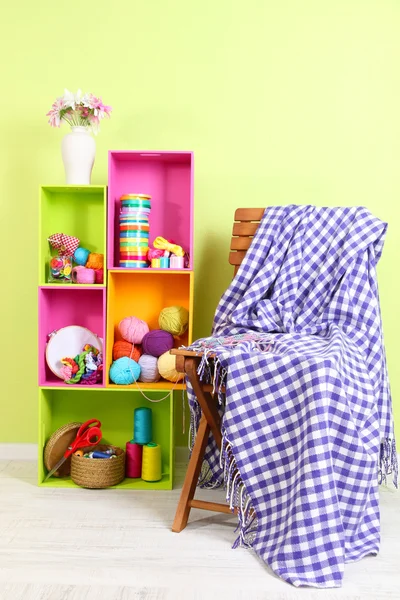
[[162, 244]]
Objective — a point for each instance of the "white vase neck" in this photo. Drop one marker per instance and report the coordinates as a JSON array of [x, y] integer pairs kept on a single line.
[[79, 129]]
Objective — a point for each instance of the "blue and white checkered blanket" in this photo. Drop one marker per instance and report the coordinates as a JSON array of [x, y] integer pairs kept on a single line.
[[307, 422]]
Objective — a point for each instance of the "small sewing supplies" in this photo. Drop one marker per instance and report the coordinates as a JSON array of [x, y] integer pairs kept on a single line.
[[75, 354], [144, 355], [99, 468], [134, 230], [143, 457], [166, 254], [90, 265]]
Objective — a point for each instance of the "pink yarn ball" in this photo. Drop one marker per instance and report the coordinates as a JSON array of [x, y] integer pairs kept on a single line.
[[157, 342], [133, 329], [154, 253]]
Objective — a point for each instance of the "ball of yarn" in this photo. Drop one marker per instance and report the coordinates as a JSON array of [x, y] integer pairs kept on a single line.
[[133, 329], [124, 371], [149, 369], [157, 342], [95, 261], [123, 348], [98, 275], [81, 256], [174, 319], [83, 275], [154, 253], [167, 368]]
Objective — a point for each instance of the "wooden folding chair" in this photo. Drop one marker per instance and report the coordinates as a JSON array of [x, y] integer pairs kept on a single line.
[[246, 223]]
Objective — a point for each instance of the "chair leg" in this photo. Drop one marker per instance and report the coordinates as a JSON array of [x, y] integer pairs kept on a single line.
[[192, 476]]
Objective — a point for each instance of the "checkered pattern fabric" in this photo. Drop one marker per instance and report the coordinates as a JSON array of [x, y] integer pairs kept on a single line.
[[307, 422], [65, 244]]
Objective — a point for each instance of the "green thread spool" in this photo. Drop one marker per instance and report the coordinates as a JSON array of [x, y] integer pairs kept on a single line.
[[142, 425]]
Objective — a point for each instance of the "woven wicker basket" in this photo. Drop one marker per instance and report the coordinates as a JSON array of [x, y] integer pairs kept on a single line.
[[98, 472]]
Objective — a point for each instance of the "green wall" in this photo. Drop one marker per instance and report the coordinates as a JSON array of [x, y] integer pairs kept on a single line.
[[282, 101]]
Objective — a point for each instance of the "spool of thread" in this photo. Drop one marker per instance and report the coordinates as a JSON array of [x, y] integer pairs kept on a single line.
[[124, 371], [98, 275], [83, 275], [176, 262], [155, 263], [174, 319], [97, 454], [157, 341], [95, 261], [142, 425], [164, 262], [151, 462], [81, 256], [133, 459], [123, 348], [148, 369], [133, 329]]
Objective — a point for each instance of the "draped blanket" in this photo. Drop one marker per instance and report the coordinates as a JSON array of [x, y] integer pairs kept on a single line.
[[307, 422]]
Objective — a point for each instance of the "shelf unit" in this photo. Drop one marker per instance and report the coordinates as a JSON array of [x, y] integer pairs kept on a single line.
[[91, 214]]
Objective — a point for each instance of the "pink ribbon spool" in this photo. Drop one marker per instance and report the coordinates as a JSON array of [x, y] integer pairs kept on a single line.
[[133, 462], [83, 275], [176, 262]]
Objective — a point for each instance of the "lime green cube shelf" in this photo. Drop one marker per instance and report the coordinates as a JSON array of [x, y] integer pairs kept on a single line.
[[115, 409], [80, 211]]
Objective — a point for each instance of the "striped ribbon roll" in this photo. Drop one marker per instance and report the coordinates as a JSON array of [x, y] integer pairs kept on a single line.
[[134, 230]]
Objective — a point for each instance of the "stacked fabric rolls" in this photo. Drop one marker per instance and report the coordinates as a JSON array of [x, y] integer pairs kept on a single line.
[[134, 230]]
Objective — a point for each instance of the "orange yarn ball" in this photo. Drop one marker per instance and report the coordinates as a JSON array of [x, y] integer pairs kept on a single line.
[[123, 348], [95, 261]]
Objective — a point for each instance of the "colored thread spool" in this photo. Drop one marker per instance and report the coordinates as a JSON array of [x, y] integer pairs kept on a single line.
[[98, 275], [79, 453], [83, 275], [155, 263], [176, 262], [142, 425], [133, 460], [97, 454], [151, 462], [164, 262]]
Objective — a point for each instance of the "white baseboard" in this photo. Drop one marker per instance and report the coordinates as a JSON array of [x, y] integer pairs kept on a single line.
[[18, 451]]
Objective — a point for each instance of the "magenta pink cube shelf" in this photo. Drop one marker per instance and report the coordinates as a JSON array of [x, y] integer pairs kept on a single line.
[[60, 306], [165, 176]]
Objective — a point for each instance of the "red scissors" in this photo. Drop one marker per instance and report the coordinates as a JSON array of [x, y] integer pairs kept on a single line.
[[89, 434]]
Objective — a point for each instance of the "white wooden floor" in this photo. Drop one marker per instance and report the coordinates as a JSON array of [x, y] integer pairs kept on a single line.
[[117, 545]]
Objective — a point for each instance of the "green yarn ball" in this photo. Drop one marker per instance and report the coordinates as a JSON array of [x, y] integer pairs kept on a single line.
[[174, 319]]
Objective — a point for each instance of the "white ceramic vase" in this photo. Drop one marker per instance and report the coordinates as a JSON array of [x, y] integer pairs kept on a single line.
[[78, 152]]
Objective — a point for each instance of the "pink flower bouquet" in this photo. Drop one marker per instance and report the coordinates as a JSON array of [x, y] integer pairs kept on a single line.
[[78, 110]]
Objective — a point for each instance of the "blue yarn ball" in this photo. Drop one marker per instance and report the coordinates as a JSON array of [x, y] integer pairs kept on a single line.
[[81, 256], [124, 371]]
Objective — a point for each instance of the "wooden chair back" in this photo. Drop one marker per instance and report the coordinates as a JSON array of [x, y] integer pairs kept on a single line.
[[246, 222]]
